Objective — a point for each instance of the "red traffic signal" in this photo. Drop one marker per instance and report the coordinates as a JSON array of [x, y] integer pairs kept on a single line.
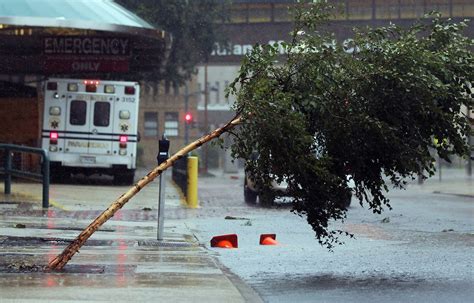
[[188, 118]]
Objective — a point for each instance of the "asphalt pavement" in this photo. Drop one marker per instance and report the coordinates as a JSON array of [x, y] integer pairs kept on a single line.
[[421, 251]]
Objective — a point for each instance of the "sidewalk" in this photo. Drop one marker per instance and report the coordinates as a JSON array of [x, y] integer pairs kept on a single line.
[[451, 181], [121, 262]]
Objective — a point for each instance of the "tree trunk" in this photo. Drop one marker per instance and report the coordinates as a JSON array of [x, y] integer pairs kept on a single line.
[[60, 260]]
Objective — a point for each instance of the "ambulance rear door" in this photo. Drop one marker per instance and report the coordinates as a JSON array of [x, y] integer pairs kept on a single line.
[[89, 126]]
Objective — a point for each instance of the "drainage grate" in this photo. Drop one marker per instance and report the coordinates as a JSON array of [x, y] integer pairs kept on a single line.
[[164, 243], [29, 241]]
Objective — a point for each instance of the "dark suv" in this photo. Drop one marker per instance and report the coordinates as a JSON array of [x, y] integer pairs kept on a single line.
[[251, 192]]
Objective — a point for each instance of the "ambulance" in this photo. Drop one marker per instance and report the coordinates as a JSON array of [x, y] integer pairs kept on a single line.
[[91, 126]]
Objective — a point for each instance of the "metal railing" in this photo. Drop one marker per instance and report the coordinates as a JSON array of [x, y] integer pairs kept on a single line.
[[9, 171], [180, 174]]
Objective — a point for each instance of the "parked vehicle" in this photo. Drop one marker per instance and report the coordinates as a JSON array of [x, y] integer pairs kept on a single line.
[[91, 126], [252, 192]]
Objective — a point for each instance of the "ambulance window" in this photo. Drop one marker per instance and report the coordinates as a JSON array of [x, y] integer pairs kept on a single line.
[[101, 114], [78, 112]]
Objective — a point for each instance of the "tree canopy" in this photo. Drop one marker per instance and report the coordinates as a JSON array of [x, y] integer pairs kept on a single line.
[[193, 25], [368, 112]]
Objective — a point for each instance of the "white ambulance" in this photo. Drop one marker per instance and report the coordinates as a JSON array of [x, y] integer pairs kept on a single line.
[[90, 126]]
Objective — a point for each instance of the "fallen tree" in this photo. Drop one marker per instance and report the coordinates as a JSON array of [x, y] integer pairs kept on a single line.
[[62, 259], [368, 111]]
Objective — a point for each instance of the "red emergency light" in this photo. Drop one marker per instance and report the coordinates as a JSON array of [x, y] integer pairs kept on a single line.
[[91, 85], [53, 138], [123, 141], [129, 90], [91, 82]]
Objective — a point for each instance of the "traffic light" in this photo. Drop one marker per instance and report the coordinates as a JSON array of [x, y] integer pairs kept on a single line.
[[188, 118]]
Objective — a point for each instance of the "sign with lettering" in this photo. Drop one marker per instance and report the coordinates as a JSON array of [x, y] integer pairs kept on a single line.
[[85, 65], [86, 54], [94, 46]]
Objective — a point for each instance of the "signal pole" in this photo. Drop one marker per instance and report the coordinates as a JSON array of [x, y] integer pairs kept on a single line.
[[206, 121]]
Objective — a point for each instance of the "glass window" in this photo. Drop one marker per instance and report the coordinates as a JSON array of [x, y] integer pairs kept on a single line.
[[171, 124], [260, 12], [340, 12], [281, 13], [151, 124], [441, 6], [78, 112], [238, 13], [387, 9], [412, 9], [102, 114], [360, 9], [463, 8]]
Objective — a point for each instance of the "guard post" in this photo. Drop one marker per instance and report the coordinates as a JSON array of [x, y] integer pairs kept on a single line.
[[163, 148], [192, 188]]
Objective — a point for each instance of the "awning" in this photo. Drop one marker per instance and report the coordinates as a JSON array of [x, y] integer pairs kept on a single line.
[[29, 27], [102, 15]]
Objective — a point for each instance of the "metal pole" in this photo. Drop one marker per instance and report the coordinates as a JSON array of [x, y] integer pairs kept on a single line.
[[163, 149], [186, 125], [45, 181], [469, 143], [161, 208], [439, 168], [8, 167], [206, 121]]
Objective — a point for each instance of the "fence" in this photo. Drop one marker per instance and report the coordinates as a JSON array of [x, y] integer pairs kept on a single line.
[[10, 153], [180, 174]]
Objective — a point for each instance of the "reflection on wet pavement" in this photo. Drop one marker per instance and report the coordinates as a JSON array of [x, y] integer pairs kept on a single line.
[[122, 261]]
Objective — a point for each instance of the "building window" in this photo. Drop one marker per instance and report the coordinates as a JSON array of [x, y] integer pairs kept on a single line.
[[387, 9], [238, 13], [463, 8], [340, 13], [441, 6], [360, 9], [171, 124], [175, 89], [151, 124], [412, 9], [260, 13], [281, 13]]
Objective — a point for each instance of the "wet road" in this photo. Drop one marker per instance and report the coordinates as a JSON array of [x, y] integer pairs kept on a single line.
[[419, 252]]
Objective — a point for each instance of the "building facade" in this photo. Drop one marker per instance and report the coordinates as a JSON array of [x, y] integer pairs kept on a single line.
[[269, 21], [163, 111]]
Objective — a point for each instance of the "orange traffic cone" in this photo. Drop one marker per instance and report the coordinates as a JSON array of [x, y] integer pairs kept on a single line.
[[268, 239], [225, 241]]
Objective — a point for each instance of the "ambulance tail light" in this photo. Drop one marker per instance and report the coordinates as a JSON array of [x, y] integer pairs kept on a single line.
[[53, 138], [129, 90], [123, 141]]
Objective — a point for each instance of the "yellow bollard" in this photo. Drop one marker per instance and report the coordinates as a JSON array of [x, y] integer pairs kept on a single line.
[[192, 194]]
